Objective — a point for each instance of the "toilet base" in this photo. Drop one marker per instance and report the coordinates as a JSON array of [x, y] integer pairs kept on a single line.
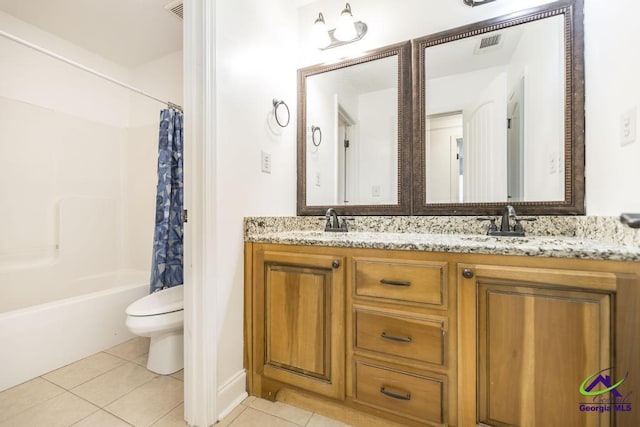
[[166, 354]]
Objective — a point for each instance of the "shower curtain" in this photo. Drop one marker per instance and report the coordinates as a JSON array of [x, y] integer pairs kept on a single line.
[[166, 268]]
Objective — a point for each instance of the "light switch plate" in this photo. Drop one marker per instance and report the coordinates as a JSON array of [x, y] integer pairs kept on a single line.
[[265, 161], [628, 127]]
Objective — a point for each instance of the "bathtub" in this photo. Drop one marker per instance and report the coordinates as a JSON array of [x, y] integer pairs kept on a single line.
[[43, 328]]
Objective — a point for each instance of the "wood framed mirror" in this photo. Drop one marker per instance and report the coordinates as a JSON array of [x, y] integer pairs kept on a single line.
[[354, 135], [499, 115]]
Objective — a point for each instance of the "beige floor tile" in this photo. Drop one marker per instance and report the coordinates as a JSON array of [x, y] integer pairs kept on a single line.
[[252, 418], [132, 349], [114, 384], [83, 370], [179, 375], [248, 400], [23, 396], [175, 418], [61, 411], [101, 419], [150, 402], [282, 410], [318, 420], [231, 416], [141, 360]]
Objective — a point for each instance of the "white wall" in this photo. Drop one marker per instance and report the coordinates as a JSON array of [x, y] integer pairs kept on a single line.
[[35, 78], [255, 63], [378, 151], [393, 22], [612, 87], [161, 77], [452, 93], [539, 57], [322, 176]]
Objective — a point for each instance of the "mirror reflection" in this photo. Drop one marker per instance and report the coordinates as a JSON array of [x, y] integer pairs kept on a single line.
[[352, 135], [495, 116]]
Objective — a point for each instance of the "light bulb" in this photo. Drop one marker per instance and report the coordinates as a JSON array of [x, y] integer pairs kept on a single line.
[[346, 30], [319, 33]]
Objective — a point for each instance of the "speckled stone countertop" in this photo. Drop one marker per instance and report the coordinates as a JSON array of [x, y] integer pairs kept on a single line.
[[573, 240]]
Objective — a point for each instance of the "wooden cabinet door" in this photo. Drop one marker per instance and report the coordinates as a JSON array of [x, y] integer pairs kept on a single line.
[[299, 315], [532, 336]]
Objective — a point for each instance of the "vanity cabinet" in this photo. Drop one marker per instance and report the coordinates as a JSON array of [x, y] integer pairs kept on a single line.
[[426, 338]]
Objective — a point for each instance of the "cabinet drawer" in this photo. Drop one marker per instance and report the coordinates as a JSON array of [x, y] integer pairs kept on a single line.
[[416, 338], [410, 281], [399, 392]]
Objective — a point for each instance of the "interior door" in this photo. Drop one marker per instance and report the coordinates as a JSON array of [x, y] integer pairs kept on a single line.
[[485, 142]]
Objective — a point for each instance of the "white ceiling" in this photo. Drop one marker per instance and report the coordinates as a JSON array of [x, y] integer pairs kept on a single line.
[[127, 32], [460, 57]]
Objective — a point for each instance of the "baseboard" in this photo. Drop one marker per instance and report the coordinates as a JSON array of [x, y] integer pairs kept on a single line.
[[232, 393]]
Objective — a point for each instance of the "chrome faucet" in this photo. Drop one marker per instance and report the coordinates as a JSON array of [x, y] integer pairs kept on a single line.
[[332, 219], [507, 213], [333, 222]]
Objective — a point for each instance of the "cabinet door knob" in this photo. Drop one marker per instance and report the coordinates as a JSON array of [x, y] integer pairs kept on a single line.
[[467, 273], [335, 263]]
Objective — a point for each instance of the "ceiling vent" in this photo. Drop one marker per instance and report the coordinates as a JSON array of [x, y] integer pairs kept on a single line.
[[175, 7], [488, 43]]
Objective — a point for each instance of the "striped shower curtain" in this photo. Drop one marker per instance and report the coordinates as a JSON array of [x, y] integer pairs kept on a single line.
[[166, 268]]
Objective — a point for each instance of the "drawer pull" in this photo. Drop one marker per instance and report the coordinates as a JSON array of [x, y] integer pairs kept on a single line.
[[394, 338], [395, 395], [394, 282]]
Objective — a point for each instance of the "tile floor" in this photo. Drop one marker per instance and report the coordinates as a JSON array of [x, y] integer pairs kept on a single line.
[[112, 389]]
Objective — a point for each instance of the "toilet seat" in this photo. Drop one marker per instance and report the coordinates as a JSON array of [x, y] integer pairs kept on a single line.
[[166, 301]]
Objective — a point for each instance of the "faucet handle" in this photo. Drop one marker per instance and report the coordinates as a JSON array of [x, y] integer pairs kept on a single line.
[[492, 220], [518, 226], [344, 225]]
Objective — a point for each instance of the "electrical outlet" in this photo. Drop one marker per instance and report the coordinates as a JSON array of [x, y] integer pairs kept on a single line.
[[628, 127], [375, 191], [265, 161]]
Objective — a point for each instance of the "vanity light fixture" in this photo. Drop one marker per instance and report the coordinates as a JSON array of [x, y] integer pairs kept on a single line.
[[320, 34], [347, 31], [474, 3]]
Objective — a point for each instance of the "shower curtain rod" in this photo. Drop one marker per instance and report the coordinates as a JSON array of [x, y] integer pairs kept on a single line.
[[87, 69]]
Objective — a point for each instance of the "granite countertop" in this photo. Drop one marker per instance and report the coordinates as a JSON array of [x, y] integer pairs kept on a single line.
[[539, 246]]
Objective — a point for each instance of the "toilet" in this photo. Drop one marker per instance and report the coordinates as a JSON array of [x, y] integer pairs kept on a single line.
[[160, 317]]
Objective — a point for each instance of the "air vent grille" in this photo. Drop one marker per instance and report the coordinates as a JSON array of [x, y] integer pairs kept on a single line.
[[175, 7], [493, 40]]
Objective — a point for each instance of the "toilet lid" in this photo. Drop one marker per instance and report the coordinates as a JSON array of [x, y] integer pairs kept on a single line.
[[165, 301]]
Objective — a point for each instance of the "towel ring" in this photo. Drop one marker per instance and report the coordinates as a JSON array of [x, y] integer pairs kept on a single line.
[[276, 104], [316, 135]]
